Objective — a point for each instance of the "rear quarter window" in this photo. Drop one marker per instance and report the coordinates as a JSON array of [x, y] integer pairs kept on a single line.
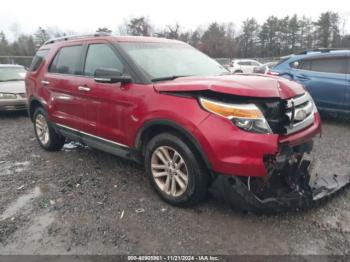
[[324, 65], [38, 59], [332, 65]]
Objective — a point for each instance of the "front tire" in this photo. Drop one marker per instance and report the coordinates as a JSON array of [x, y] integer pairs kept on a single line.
[[46, 135], [174, 170]]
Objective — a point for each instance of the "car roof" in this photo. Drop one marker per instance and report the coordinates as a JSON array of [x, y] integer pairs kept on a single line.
[[244, 59], [135, 39], [317, 53]]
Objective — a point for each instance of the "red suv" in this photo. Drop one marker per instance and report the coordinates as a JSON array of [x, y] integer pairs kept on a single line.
[[165, 104]]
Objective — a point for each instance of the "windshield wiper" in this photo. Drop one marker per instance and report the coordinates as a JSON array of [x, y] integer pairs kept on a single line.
[[167, 78]]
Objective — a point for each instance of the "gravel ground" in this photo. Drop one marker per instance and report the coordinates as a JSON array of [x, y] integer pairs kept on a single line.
[[82, 201]]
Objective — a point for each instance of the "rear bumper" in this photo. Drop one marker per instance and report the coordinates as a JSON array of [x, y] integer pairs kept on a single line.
[[234, 152], [13, 104]]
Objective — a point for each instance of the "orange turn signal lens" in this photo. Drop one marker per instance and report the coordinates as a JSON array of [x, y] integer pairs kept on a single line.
[[248, 111]]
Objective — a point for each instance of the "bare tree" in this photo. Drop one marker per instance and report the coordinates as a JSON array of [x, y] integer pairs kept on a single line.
[[103, 30], [41, 36], [138, 26]]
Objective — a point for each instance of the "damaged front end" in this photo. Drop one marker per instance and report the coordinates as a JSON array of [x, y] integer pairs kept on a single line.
[[293, 183]]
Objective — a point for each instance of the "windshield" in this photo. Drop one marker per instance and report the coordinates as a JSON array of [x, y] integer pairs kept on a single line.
[[12, 73], [171, 60]]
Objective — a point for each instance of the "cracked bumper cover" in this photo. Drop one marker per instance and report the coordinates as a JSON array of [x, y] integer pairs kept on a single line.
[[234, 192], [313, 187]]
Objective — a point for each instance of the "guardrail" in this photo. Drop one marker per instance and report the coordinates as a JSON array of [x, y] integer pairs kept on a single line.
[[19, 60]]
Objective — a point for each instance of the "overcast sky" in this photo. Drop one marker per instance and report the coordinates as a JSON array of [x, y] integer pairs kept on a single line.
[[86, 16]]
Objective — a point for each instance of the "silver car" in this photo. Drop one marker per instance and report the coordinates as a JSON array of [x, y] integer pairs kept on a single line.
[[12, 88]]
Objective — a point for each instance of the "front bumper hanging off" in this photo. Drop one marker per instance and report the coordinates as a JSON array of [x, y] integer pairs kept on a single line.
[[294, 185]]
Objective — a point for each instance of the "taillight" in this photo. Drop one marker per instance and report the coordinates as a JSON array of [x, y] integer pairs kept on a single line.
[[271, 73]]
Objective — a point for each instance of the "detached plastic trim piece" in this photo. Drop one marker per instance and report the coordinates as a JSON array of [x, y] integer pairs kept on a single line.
[[233, 191]]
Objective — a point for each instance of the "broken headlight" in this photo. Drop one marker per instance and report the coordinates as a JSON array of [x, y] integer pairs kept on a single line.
[[245, 116], [7, 96]]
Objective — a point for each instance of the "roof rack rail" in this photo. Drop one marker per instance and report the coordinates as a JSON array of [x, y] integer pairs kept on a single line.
[[70, 37], [322, 50]]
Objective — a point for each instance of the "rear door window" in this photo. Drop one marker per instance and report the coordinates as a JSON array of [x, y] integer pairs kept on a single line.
[[331, 65], [38, 59], [324, 65], [67, 61], [101, 56]]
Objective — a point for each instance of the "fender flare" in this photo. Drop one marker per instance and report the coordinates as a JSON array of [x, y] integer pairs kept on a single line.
[[168, 123], [35, 100]]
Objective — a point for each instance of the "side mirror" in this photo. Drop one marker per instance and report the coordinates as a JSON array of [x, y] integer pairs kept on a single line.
[[110, 76], [295, 64]]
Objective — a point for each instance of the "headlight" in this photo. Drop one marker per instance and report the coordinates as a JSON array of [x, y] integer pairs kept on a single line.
[[7, 96], [315, 110], [245, 116]]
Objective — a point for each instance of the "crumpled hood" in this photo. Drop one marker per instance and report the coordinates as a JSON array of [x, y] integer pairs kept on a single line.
[[241, 85], [15, 87]]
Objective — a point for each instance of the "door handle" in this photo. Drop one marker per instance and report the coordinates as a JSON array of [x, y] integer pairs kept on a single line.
[[84, 88], [45, 82]]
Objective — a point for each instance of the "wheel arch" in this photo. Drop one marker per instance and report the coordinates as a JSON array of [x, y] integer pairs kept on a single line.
[[34, 104], [155, 127]]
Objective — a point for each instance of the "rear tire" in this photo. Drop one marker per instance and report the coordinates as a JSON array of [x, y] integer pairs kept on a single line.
[[174, 170], [45, 133]]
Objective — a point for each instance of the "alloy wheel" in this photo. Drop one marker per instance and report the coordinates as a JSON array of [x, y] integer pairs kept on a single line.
[[42, 129], [169, 171]]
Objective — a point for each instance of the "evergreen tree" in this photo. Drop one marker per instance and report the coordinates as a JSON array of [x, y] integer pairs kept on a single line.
[[41, 36], [327, 30]]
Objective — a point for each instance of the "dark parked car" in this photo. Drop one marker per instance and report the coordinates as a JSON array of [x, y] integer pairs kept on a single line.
[[194, 125], [12, 88], [325, 73]]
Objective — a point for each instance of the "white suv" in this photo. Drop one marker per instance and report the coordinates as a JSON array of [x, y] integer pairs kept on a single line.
[[244, 66]]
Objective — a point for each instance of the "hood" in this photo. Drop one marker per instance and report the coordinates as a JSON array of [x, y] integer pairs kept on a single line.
[[15, 87], [241, 85]]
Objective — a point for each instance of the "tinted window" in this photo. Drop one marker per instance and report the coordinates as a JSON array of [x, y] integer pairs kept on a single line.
[[244, 63], [101, 56], [326, 65], [305, 65], [37, 60], [333, 65], [67, 61], [348, 66]]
